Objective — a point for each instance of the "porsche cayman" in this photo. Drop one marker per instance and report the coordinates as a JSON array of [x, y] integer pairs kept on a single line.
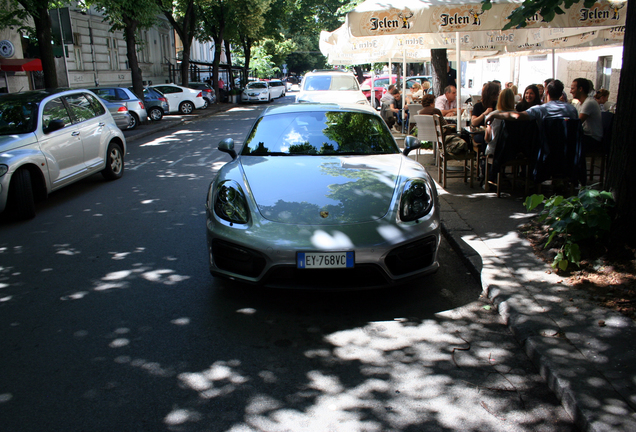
[[321, 196]]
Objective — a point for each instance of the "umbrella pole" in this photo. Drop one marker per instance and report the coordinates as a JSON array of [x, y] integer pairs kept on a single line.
[[459, 82], [404, 106]]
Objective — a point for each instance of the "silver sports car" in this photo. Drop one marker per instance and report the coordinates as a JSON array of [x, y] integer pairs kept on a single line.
[[321, 196]]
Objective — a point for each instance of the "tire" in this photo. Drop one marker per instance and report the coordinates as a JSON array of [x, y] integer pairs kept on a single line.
[[134, 121], [186, 107], [22, 194], [155, 114], [206, 104], [114, 162]]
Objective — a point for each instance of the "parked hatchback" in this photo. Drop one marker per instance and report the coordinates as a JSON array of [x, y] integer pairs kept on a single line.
[[208, 94], [156, 103], [182, 100], [135, 106], [50, 139], [277, 88]]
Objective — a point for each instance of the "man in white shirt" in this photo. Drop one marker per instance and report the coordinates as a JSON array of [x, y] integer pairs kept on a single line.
[[590, 115], [447, 103]]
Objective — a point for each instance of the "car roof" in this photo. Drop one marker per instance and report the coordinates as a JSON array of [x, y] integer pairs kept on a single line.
[[38, 95], [317, 107]]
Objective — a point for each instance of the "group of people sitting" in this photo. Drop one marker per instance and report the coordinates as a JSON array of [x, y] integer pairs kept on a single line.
[[497, 106]]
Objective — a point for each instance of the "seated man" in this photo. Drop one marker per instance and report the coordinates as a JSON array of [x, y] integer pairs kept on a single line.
[[447, 103], [590, 115], [390, 111]]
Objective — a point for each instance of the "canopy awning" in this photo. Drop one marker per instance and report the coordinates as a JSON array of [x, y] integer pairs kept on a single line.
[[20, 65]]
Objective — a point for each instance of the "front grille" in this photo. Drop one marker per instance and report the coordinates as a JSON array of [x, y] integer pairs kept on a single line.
[[237, 259], [412, 257]]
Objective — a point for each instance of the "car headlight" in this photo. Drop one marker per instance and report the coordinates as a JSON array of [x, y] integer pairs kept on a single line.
[[230, 203], [416, 201], [3, 170]]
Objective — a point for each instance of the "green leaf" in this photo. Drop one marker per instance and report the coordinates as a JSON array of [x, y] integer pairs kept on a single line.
[[487, 307], [533, 201], [486, 5], [563, 264]]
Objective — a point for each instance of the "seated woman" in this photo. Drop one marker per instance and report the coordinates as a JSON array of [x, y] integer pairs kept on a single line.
[[506, 103], [531, 97], [415, 95], [488, 103], [455, 144]]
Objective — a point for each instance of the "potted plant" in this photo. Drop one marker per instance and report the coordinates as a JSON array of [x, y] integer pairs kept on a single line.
[[234, 95]]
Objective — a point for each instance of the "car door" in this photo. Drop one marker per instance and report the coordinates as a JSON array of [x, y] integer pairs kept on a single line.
[[88, 115], [63, 148], [174, 96]]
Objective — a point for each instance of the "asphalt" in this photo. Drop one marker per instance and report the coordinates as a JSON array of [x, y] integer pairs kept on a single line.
[[586, 353]]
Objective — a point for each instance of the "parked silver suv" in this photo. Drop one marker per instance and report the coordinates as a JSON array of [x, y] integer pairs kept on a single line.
[[124, 96], [50, 139]]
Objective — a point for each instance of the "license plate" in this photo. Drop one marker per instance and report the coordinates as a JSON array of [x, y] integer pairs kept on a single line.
[[315, 260]]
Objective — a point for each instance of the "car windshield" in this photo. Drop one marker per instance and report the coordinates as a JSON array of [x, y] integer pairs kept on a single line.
[[331, 82], [257, 85], [320, 133], [17, 116]]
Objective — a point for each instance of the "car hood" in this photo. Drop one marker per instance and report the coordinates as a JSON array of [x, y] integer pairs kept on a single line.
[[11, 142], [322, 190], [332, 97]]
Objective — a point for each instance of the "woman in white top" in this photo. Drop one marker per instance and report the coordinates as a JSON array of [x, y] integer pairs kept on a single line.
[[416, 94], [505, 103]]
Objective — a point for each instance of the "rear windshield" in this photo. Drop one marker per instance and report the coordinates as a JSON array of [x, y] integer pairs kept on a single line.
[[330, 82], [257, 85], [320, 133]]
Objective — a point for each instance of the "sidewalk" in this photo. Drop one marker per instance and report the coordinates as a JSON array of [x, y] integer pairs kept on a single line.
[[587, 354], [591, 367]]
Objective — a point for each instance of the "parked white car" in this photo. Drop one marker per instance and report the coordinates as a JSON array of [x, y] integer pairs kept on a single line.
[[257, 91], [277, 88], [331, 86], [182, 100], [50, 139]]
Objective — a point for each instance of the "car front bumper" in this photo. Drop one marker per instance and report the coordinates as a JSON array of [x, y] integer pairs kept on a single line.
[[266, 252]]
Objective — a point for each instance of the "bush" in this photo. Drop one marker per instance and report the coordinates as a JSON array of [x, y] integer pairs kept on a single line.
[[574, 219]]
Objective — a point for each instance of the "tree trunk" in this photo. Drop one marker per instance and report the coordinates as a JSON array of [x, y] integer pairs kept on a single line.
[[621, 175], [247, 53], [133, 62], [439, 61], [228, 55], [218, 40], [42, 22]]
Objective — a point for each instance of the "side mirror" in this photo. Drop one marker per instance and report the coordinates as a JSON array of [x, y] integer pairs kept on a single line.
[[54, 125], [365, 87], [227, 146], [411, 143]]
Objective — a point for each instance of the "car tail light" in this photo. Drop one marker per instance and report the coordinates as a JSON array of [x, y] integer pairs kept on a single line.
[[122, 109], [163, 99], [141, 105], [200, 94]]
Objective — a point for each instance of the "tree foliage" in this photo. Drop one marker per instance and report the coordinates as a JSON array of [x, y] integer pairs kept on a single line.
[[183, 15], [18, 11]]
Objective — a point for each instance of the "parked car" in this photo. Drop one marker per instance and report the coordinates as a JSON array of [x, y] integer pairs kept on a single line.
[[257, 91], [156, 103], [380, 85], [119, 112], [122, 95], [208, 93], [331, 86], [277, 88], [50, 139], [182, 100], [368, 217]]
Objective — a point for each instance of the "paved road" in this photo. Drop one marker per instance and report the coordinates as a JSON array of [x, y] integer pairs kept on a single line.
[[110, 321]]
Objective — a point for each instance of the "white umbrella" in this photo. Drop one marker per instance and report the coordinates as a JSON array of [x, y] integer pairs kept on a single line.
[[465, 17]]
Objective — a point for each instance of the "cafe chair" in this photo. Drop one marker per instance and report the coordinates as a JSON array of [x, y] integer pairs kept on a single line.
[[601, 156], [443, 172], [517, 146], [426, 131], [561, 155]]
